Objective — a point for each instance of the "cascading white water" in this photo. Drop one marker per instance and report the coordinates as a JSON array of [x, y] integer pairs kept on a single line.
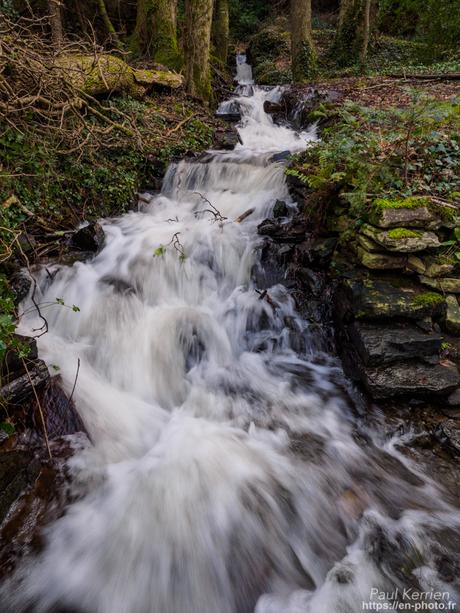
[[223, 475]]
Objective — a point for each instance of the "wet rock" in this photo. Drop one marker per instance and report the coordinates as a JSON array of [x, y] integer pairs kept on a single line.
[[61, 417], [272, 107], [283, 233], [406, 217], [280, 157], [425, 324], [448, 285], [17, 470], [20, 282], [385, 298], [280, 209], [89, 238], [226, 138], [380, 261], [22, 387], [452, 321], [377, 344], [402, 240], [413, 379], [33, 492], [300, 109], [454, 398], [448, 432]]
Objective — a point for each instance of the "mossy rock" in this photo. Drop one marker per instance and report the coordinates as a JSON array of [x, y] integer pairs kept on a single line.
[[448, 285], [380, 261], [378, 299], [433, 267], [402, 240], [414, 211], [397, 216], [452, 319], [108, 73]]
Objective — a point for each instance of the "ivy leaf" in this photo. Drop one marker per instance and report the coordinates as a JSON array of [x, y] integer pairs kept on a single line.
[[8, 428]]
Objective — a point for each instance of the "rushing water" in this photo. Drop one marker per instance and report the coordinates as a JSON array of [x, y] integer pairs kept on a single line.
[[225, 474]]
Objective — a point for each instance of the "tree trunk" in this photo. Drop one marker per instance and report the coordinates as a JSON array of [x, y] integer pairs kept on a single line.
[[302, 45], [155, 34], [352, 37], [198, 16], [55, 20], [221, 29], [366, 32], [107, 22]]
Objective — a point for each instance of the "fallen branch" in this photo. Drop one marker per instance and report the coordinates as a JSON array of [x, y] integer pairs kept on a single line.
[[180, 124], [244, 215]]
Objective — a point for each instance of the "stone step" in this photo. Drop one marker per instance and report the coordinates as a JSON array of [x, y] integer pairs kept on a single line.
[[380, 344]]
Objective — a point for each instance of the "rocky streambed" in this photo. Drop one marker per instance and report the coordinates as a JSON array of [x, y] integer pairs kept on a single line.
[[382, 301]]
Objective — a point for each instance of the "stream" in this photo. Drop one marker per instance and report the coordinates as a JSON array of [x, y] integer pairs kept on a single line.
[[227, 472]]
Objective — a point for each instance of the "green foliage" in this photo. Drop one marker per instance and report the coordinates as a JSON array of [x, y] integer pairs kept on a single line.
[[435, 22], [8, 340], [8, 428], [246, 16], [398, 153]]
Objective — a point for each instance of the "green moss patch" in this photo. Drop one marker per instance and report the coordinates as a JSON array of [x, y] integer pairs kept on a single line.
[[428, 299], [404, 233], [413, 202]]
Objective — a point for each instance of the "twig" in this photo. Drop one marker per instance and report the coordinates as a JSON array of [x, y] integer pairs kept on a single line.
[[214, 211], [180, 124], [74, 384]]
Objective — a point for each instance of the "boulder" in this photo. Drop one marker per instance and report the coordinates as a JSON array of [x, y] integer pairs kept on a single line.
[[377, 344], [411, 378], [88, 238], [280, 209], [402, 240], [386, 298], [226, 138], [380, 261], [273, 107], [420, 217], [452, 320], [448, 285], [283, 232]]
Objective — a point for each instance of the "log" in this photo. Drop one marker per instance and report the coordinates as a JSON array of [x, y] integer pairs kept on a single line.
[[449, 76]]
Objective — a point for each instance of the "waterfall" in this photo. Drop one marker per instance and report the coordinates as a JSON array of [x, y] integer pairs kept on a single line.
[[224, 474]]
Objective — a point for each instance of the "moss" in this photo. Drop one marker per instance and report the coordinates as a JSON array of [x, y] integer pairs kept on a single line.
[[454, 196], [413, 202], [428, 299], [404, 233]]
